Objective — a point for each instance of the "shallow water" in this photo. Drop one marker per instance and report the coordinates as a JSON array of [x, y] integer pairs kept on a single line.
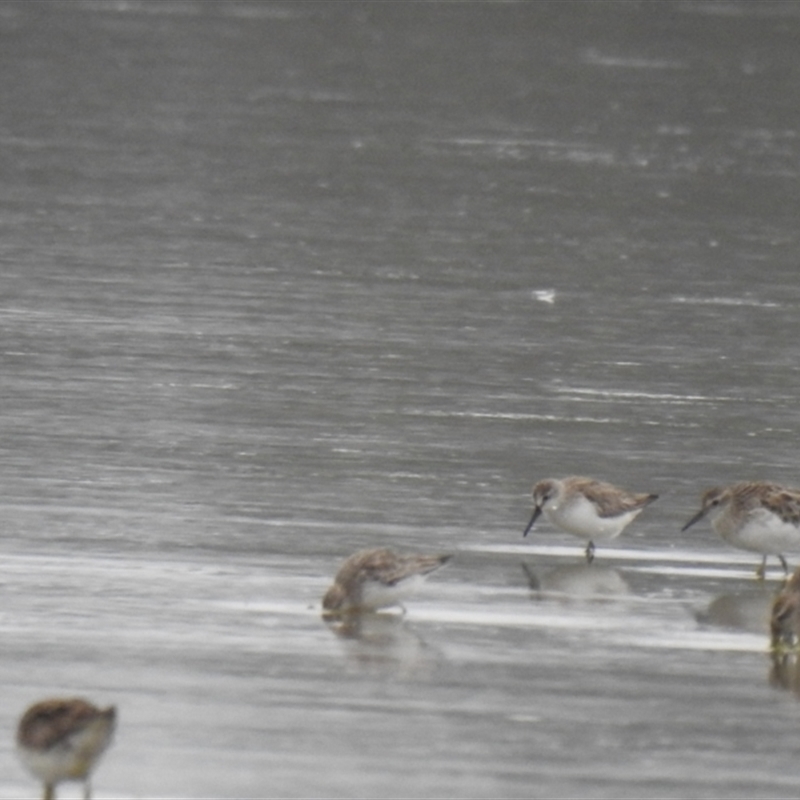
[[281, 281]]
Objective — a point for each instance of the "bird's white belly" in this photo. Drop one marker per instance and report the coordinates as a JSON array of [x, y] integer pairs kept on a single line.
[[763, 532], [72, 758], [581, 518]]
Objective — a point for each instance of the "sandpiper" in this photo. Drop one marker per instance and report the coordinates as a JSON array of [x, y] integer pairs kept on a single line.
[[373, 579], [757, 516], [586, 507], [62, 740], [785, 617]]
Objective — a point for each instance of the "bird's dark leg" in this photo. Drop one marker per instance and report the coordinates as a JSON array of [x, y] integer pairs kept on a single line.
[[761, 570], [784, 564], [590, 552]]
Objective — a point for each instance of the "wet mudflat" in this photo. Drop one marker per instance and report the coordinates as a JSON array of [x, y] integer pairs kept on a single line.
[[625, 677], [281, 281]]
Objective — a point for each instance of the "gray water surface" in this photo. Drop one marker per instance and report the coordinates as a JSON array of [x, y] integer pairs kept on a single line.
[[284, 280]]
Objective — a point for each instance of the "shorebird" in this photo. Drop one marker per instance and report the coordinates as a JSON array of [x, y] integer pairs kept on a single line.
[[62, 740], [588, 508], [373, 579], [756, 516], [785, 617]]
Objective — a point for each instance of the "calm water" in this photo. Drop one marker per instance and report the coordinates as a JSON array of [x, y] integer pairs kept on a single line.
[[284, 280]]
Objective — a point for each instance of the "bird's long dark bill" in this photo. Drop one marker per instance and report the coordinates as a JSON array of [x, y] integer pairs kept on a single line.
[[696, 518], [536, 512]]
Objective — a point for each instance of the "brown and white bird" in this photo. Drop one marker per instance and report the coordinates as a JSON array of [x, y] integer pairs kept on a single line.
[[63, 739], [785, 617], [757, 516], [585, 507], [373, 579]]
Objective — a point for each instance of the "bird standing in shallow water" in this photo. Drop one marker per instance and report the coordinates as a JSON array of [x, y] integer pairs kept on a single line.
[[373, 579], [785, 617], [62, 740], [586, 507], [757, 516]]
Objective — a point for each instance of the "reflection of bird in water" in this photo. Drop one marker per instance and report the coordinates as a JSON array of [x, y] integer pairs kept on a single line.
[[373, 579], [759, 517], [785, 618], [745, 611], [61, 740], [578, 582], [784, 672], [383, 644], [588, 508]]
